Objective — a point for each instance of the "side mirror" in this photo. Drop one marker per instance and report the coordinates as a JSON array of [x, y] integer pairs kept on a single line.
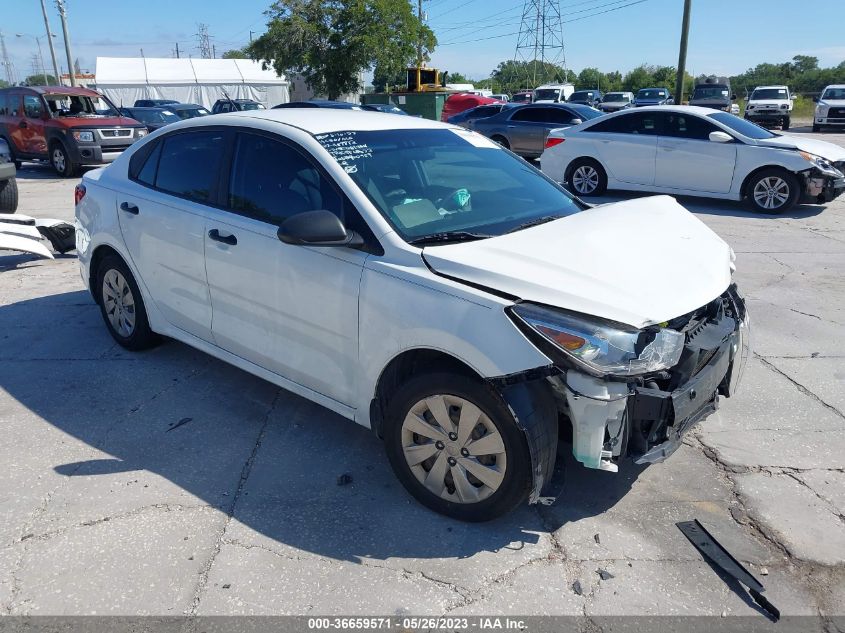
[[720, 137], [577, 121], [792, 97], [670, 101], [317, 228], [815, 99]]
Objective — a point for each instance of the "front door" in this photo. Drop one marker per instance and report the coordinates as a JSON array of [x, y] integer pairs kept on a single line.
[[688, 159], [290, 309], [32, 126], [163, 217]]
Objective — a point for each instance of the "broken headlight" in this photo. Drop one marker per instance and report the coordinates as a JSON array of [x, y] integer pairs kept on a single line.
[[601, 348], [821, 163]]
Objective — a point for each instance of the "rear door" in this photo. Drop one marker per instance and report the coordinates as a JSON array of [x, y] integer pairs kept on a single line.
[[627, 145], [688, 159], [15, 122], [290, 309], [32, 125], [163, 216], [529, 127]]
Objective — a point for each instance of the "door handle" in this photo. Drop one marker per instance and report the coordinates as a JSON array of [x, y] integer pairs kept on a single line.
[[214, 234], [129, 208]]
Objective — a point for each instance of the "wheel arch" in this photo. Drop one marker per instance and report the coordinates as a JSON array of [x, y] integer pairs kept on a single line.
[[568, 171], [743, 189], [97, 256], [408, 363]]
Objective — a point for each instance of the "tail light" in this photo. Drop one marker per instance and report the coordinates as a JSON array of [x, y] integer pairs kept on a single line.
[[78, 193], [554, 140]]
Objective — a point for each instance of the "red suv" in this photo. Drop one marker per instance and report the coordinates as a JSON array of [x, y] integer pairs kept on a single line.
[[70, 127]]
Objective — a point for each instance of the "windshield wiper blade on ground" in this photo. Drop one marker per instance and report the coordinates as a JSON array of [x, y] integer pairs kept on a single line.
[[449, 236], [535, 222]]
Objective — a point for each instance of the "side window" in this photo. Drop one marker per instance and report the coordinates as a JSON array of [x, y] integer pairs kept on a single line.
[[686, 126], [33, 109], [189, 164], [559, 115], [271, 181], [225, 107], [143, 164], [635, 123], [13, 105], [528, 114]]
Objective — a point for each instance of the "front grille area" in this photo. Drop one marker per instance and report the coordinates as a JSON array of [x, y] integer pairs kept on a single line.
[[115, 148], [116, 133], [836, 113]]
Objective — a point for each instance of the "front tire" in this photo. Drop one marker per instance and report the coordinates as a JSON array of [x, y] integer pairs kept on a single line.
[[586, 177], [501, 140], [122, 305], [773, 191], [455, 446], [785, 123], [817, 128], [60, 159], [9, 195]]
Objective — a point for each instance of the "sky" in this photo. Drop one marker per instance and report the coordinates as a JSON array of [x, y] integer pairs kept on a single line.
[[726, 36]]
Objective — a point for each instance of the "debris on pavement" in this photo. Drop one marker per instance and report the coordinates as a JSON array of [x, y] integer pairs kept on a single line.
[[597, 539], [576, 587], [24, 233], [764, 571], [181, 422], [709, 547], [344, 479], [604, 574]]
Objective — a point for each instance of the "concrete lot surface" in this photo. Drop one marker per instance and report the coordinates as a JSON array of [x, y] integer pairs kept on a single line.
[[110, 506]]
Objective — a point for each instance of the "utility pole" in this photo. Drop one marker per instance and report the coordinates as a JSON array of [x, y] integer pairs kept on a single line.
[[419, 40], [50, 43], [60, 5], [682, 54], [9, 77], [250, 36], [177, 50]]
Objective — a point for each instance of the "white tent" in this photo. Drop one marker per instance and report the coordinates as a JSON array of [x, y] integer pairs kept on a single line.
[[125, 79]]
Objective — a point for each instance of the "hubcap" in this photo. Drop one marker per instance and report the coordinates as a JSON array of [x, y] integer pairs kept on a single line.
[[58, 159], [585, 179], [466, 469], [771, 192], [119, 303]]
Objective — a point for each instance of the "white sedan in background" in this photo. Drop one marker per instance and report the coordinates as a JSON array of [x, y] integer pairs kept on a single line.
[[692, 151]]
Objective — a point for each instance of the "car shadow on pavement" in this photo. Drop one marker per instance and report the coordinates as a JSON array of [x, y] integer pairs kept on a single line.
[[186, 429], [44, 171], [709, 206]]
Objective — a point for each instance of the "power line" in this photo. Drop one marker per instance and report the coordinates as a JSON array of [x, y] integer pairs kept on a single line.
[[630, 4], [453, 9]]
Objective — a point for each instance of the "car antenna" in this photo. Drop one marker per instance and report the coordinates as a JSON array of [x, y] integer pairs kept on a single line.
[[228, 98]]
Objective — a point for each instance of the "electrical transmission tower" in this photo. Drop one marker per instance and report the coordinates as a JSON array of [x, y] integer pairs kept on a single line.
[[7, 64], [540, 40], [203, 41]]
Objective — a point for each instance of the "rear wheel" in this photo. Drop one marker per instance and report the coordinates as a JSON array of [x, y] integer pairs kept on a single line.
[[773, 191], [455, 446], [501, 140], [8, 195], [587, 178], [15, 159], [122, 305], [785, 122]]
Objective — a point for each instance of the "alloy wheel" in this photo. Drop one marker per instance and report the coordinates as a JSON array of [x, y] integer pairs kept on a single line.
[[771, 192], [454, 449], [59, 160], [585, 179], [119, 303]]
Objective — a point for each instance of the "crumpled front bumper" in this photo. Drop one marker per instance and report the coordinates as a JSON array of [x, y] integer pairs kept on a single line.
[[612, 420], [820, 188]]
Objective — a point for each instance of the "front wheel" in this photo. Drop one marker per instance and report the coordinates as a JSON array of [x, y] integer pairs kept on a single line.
[[501, 140], [784, 125], [61, 161], [817, 128], [8, 195], [455, 446], [773, 191], [587, 178]]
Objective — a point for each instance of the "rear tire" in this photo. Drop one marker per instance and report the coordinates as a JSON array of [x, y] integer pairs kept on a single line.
[[15, 159], [501, 140], [9, 195], [122, 305], [438, 465], [772, 191], [784, 125], [586, 177]]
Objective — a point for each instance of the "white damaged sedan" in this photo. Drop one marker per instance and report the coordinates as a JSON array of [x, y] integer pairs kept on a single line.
[[422, 281]]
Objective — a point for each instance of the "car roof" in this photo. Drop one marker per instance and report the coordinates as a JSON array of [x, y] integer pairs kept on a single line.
[[774, 86], [319, 121], [61, 90], [834, 86], [700, 110], [185, 106]]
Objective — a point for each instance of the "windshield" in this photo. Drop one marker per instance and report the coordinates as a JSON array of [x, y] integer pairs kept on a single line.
[[191, 113], [834, 93], [646, 93], [252, 106], [434, 181], [769, 93], [616, 97], [743, 126], [581, 96], [80, 106], [717, 91], [546, 94], [154, 116]]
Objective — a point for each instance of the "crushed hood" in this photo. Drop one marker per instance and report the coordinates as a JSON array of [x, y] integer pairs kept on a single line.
[[827, 150], [637, 262]]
